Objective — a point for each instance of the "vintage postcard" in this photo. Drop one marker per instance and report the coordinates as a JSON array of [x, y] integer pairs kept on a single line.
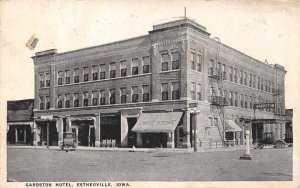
[[149, 94]]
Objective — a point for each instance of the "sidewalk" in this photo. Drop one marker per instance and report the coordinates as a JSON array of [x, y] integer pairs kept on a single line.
[[85, 148]]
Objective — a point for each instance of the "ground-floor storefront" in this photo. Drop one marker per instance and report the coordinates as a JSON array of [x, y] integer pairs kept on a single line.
[[19, 133], [167, 126]]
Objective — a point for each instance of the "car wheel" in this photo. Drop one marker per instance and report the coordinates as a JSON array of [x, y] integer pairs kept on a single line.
[[279, 145], [260, 146]]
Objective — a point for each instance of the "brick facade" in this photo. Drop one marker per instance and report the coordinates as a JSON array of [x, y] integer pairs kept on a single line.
[[179, 57]]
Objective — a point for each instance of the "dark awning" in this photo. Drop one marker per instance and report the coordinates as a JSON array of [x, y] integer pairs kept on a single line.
[[157, 122]]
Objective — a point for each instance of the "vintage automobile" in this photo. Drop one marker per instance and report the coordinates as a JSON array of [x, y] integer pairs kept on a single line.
[[269, 140], [69, 141]]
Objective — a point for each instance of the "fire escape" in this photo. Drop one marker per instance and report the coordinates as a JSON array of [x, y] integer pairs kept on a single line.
[[218, 98]]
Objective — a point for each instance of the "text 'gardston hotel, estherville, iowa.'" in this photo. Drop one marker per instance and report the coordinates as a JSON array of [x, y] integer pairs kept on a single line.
[[150, 91]]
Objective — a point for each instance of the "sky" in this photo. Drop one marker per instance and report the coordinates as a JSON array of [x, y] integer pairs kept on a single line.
[[261, 29]]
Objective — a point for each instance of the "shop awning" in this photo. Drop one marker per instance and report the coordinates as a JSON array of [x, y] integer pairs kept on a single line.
[[157, 122], [232, 127]]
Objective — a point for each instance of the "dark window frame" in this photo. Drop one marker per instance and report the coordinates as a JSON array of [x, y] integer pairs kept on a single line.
[[85, 102], [95, 101], [146, 69], [124, 72], [76, 103], [135, 98], [164, 95], [112, 74], [102, 75], [59, 81], [135, 70], [164, 66], [95, 76], [146, 97], [86, 77], [76, 79]]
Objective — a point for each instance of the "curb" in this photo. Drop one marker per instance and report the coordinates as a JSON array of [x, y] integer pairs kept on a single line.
[[176, 150]]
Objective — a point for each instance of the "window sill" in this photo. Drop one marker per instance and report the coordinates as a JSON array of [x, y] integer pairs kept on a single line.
[[168, 71]]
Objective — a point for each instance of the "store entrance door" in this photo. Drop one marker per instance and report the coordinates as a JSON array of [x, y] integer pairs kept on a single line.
[[131, 135]]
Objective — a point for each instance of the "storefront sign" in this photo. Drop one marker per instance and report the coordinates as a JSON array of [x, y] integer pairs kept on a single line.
[[193, 105], [49, 117], [264, 105]]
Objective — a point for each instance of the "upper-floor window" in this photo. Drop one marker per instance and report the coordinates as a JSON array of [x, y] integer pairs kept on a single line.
[[261, 84], [242, 100], [235, 99], [135, 66], [146, 64], [231, 98], [76, 100], [67, 76], [123, 67], [135, 94], [95, 98], [85, 74], [246, 101], [175, 60], [250, 80], [67, 100], [112, 70], [235, 75], [42, 103], [231, 74], [175, 91], [123, 95], [112, 99], [95, 70], [76, 75], [211, 67], [102, 97], [193, 91], [199, 63], [59, 101], [251, 102], [102, 71], [241, 77], [199, 92], [59, 78], [85, 99], [164, 91], [47, 79], [245, 78], [42, 80], [164, 60], [258, 82], [193, 60], [254, 81], [47, 102], [223, 74], [146, 93]]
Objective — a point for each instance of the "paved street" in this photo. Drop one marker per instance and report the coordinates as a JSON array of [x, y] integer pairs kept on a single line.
[[55, 165]]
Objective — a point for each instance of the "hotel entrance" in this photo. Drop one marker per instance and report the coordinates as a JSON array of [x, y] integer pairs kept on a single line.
[[132, 136]]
